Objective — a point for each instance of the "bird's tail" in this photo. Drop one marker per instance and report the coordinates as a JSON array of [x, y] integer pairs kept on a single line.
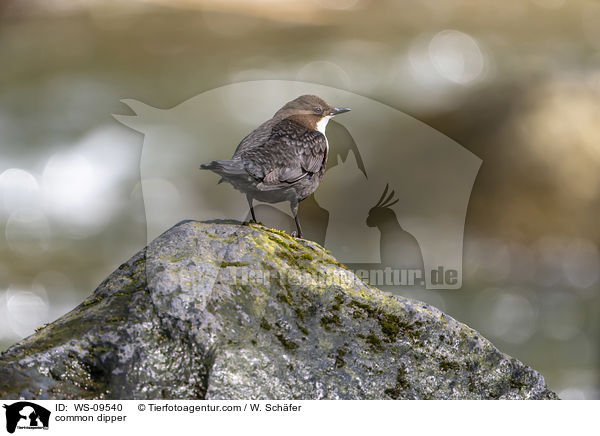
[[229, 170], [232, 167]]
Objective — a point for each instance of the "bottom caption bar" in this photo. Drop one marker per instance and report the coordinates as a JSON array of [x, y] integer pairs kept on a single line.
[[158, 417]]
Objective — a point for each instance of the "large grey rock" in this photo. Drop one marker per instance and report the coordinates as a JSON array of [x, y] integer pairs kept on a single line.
[[182, 319]]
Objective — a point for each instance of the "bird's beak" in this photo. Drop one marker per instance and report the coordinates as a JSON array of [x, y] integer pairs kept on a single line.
[[339, 110]]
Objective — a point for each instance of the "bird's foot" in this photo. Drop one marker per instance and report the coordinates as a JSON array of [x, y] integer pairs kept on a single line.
[[254, 223]]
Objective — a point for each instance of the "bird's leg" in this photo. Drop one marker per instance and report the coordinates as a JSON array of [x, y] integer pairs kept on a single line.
[[298, 226], [251, 208], [294, 207]]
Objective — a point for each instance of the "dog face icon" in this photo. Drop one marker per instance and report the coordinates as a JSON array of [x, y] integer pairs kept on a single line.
[[26, 414]]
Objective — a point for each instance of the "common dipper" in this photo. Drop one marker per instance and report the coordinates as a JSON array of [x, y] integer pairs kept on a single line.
[[283, 159]]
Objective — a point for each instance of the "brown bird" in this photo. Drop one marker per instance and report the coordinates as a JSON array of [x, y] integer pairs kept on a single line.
[[283, 159]]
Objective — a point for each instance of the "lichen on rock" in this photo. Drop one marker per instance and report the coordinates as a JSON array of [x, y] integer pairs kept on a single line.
[[225, 310]]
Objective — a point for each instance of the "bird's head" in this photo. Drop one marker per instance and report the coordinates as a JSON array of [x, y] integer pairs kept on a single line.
[[310, 111]]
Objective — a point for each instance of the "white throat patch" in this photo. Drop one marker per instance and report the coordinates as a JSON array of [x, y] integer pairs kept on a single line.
[[322, 124]]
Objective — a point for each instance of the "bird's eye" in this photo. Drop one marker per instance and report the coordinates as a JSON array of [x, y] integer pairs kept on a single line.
[[318, 110]]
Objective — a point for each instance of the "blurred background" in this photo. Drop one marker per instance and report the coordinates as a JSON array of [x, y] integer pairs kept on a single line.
[[516, 82]]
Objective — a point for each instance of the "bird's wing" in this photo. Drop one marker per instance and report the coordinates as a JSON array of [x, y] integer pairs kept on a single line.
[[256, 138], [291, 153]]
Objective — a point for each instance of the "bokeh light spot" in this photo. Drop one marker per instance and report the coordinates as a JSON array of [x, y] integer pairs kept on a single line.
[[456, 56], [19, 189], [27, 232]]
